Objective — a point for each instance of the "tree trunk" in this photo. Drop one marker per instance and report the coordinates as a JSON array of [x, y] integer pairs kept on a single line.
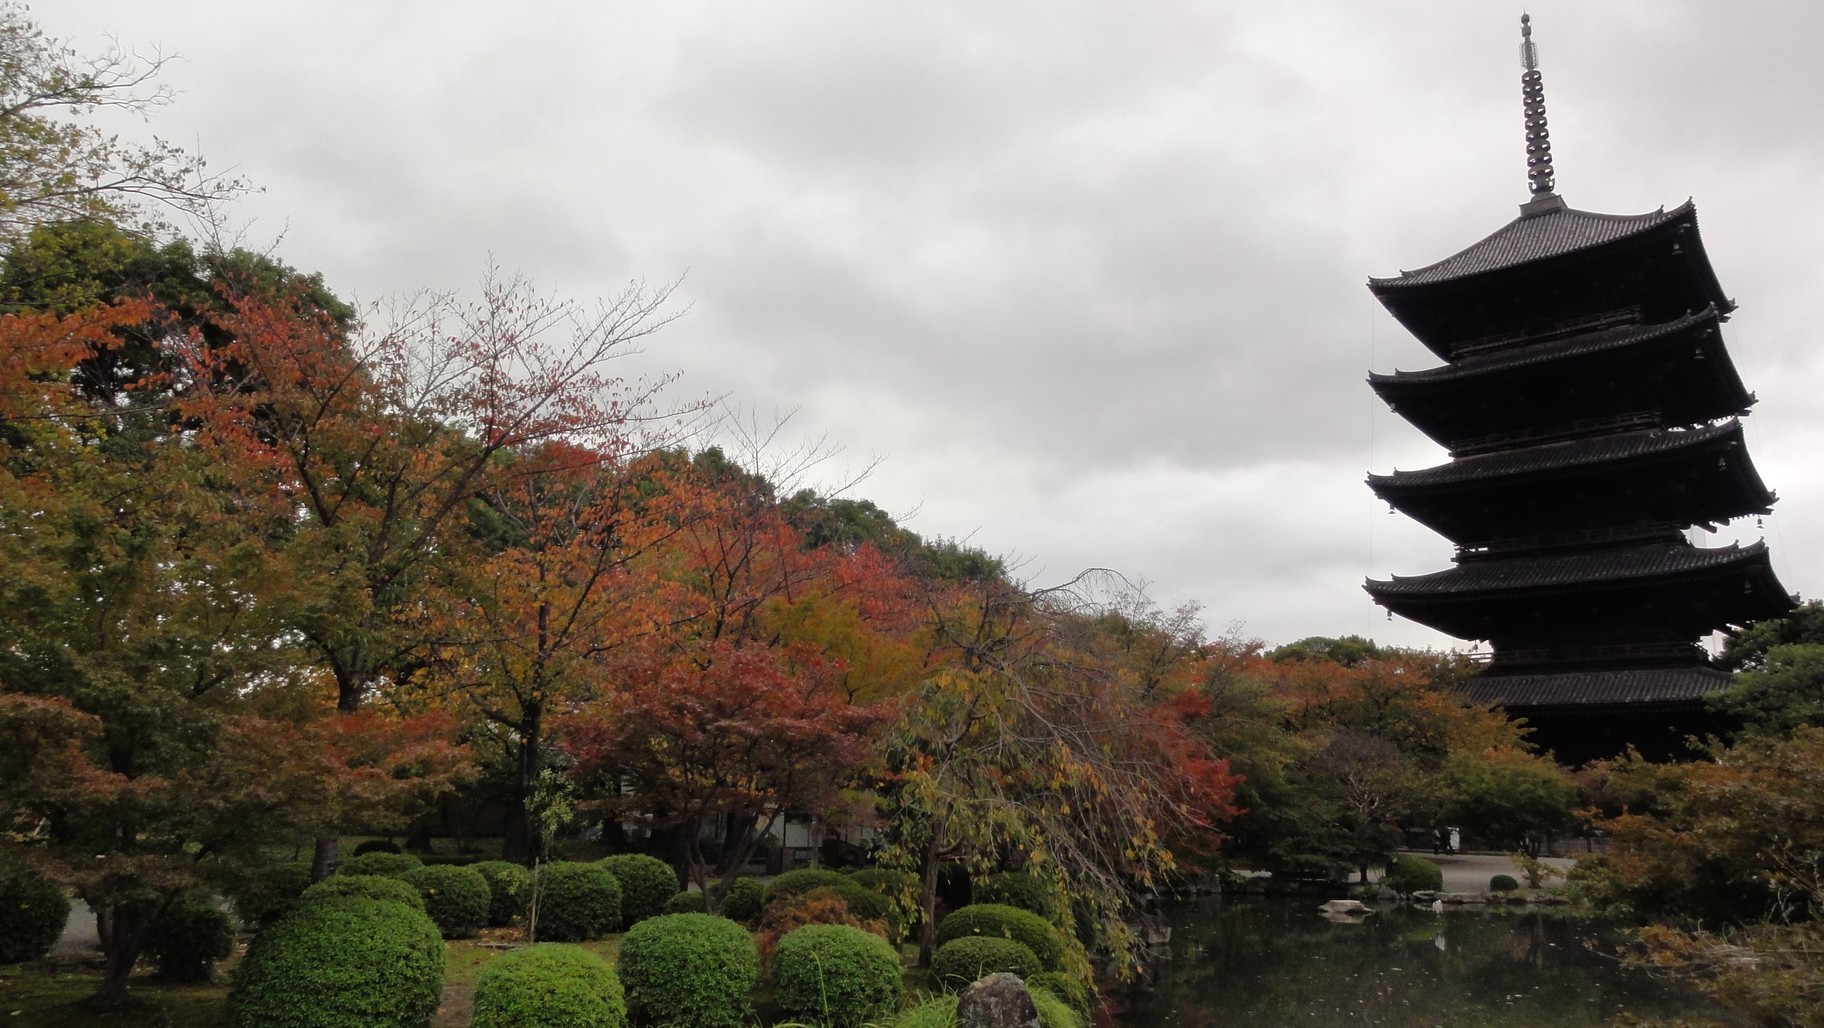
[[122, 930], [518, 839], [927, 899]]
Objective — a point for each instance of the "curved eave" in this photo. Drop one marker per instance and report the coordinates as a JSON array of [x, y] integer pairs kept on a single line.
[[1581, 690], [1558, 351], [1681, 478], [1668, 588], [1531, 240], [1581, 456]]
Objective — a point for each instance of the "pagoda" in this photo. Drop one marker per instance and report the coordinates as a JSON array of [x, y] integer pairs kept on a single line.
[[1591, 413]]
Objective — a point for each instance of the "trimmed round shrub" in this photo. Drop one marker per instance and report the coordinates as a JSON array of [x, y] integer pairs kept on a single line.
[[549, 985], [379, 862], [745, 901], [835, 976], [341, 963], [32, 915], [959, 963], [803, 880], [1054, 1011], [457, 898], [188, 938], [686, 902], [689, 969], [1407, 874], [646, 884], [1503, 883], [1019, 889], [576, 902], [509, 890], [376, 846], [269, 893], [995, 919], [373, 887]]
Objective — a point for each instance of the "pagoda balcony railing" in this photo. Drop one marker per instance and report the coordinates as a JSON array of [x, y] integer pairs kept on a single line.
[[1586, 538], [1594, 653], [1629, 422], [1554, 330]]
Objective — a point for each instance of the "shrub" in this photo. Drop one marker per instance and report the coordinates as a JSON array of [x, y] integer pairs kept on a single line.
[[992, 919], [1072, 990], [376, 846], [686, 902], [803, 880], [960, 962], [1054, 1011], [646, 884], [835, 976], [388, 865], [1407, 874], [32, 915], [576, 902], [1019, 889], [341, 963], [745, 901], [188, 938], [819, 906], [457, 898], [509, 890], [373, 887], [1503, 883], [689, 970], [549, 985], [269, 893]]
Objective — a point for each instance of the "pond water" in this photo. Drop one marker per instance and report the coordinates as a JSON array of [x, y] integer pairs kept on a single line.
[[1280, 962]]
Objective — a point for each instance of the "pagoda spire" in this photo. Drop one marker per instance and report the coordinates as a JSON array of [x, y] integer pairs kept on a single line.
[[1538, 137]]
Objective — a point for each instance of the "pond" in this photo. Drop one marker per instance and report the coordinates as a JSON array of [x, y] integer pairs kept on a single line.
[[1281, 962]]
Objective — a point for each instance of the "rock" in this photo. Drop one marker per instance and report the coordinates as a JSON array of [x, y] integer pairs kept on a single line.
[[997, 1001], [1353, 908]]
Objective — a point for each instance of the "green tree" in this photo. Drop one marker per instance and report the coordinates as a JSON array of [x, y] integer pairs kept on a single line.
[[1747, 649], [1510, 798], [1783, 691], [54, 166]]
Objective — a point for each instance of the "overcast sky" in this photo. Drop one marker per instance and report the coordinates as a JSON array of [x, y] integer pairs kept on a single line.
[[1088, 276]]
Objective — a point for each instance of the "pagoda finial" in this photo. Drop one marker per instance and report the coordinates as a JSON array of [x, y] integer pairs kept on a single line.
[[1538, 137]]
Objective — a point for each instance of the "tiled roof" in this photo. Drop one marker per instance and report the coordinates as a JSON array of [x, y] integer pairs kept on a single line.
[[1547, 572], [1535, 237], [1592, 688], [1594, 450], [1542, 353]]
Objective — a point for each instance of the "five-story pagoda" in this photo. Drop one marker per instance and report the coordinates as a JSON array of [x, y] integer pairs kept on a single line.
[[1591, 414]]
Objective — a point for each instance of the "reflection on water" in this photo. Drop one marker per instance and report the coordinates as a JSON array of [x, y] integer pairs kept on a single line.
[[1281, 962]]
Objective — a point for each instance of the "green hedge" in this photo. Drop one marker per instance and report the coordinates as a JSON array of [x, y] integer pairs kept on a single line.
[[1021, 889], [509, 890], [745, 901], [995, 919], [689, 970], [376, 846], [33, 912], [374, 887], [1407, 874], [835, 976], [686, 902], [380, 862], [803, 880], [341, 963], [1503, 883], [959, 963], [549, 985], [188, 938], [1075, 992], [646, 884], [576, 902], [457, 898]]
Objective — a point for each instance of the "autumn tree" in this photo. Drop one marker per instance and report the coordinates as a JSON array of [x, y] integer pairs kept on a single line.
[[1017, 749], [163, 733]]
